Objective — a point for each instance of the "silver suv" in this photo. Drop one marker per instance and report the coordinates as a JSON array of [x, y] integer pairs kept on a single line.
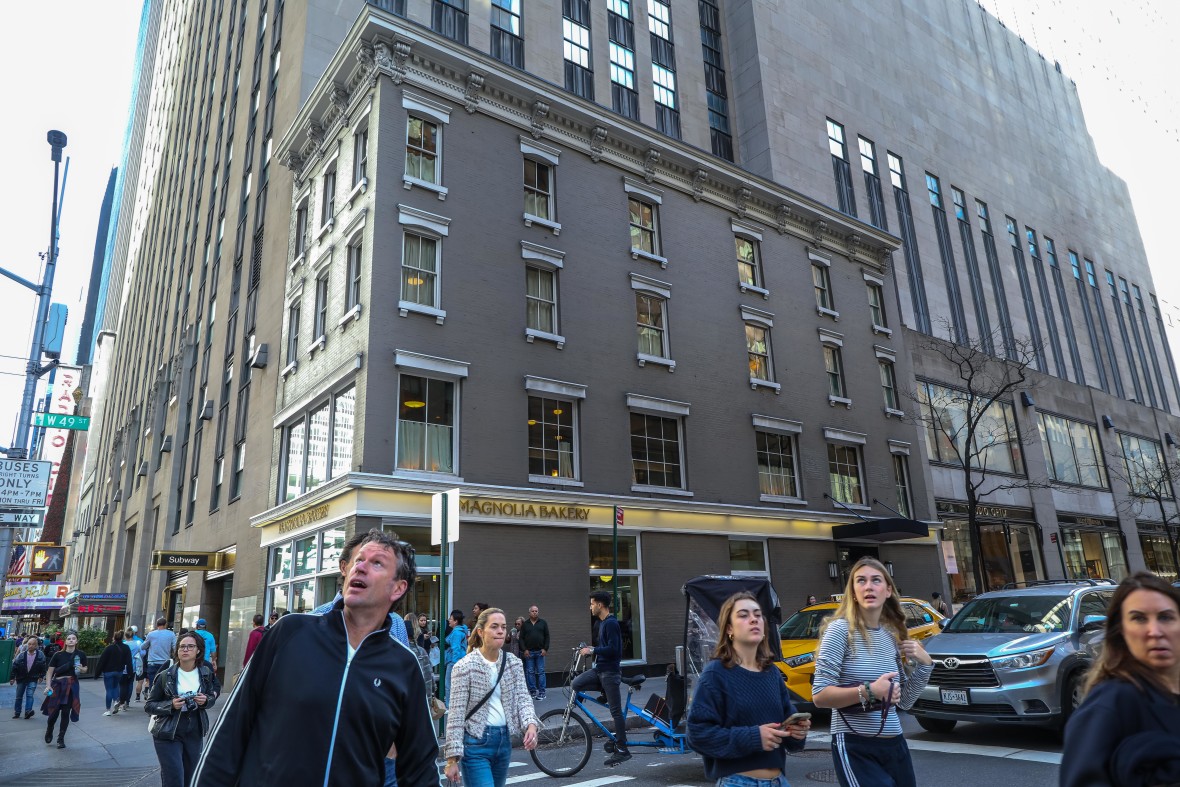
[[1015, 656]]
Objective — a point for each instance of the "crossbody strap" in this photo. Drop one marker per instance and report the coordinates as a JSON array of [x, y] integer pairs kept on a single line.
[[491, 691]]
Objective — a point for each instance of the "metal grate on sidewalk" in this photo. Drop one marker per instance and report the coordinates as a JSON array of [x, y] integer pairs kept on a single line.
[[72, 777]]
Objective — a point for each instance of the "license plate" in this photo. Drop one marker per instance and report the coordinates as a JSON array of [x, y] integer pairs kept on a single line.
[[954, 696]]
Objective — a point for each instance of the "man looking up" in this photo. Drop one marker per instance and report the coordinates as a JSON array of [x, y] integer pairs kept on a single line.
[[365, 694], [606, 675]]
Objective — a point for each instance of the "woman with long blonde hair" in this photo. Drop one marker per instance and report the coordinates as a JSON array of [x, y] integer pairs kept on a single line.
[[740, 704], [859, 673]]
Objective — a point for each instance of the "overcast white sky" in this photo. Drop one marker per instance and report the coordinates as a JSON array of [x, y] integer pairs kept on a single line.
[[68, 65]]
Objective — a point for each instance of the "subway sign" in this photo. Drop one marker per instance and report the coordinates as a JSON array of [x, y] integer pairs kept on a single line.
[[186, 561]]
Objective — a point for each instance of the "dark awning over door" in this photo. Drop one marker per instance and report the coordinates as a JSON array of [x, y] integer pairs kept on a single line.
[[881, 530]]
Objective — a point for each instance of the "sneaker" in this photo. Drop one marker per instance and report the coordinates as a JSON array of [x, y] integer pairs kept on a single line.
[[61, 744], [16, 715], [49, 735], [110, 713], [28, 714], [540, 695], [619, 757]]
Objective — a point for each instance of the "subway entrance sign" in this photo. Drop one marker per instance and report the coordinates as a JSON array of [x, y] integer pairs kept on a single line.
[[187, 561], [62, 421]]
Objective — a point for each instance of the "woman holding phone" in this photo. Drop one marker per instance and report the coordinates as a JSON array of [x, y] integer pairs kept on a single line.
[[860, 675], [742, 721]]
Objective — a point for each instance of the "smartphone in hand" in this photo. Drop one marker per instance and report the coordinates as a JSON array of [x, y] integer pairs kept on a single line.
[[795, 718]]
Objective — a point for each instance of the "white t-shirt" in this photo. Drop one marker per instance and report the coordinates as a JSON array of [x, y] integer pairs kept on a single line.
[[188, 681], [496, 717]]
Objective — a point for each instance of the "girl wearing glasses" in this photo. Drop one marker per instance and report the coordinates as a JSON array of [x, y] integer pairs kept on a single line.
[[178, 701]]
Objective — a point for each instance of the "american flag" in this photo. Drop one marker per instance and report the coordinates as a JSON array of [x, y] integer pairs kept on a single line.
[[16, 566]]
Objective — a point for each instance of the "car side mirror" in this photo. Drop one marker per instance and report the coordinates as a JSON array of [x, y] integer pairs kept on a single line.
[[942, 623], [1093, 623]]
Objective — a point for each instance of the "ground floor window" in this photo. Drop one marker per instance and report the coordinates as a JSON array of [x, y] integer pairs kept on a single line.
[[1011, 554], [630, 590], [1157, 554], [423, 597], [305, 572], [1091, 554]]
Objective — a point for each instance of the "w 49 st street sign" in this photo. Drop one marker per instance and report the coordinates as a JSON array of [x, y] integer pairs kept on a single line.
[[62, 421]]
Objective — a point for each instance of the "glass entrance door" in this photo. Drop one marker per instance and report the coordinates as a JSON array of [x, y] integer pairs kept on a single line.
[[1011, 554], [1091, 554]]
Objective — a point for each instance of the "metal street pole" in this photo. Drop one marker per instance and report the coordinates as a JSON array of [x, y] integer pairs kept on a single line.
[[442, 613], [614, 574]]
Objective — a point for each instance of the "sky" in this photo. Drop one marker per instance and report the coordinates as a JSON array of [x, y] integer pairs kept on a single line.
[[70, 67]]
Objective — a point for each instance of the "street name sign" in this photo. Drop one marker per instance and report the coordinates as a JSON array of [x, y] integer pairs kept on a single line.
[[23, 484], [61, 421], [30, 517]]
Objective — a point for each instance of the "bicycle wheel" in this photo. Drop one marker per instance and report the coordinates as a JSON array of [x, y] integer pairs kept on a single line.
[[563, 747]]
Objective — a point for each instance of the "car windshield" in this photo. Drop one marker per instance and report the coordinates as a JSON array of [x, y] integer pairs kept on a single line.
[[1032, 614], [804, 624]]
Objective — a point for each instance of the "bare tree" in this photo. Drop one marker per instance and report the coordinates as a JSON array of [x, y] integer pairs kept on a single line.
[[1151, 482], [969, 412]]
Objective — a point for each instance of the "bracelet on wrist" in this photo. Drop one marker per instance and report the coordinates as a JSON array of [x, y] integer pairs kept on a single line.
[[869, 692]]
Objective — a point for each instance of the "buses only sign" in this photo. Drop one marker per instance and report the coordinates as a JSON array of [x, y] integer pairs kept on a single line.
[[23, 483]]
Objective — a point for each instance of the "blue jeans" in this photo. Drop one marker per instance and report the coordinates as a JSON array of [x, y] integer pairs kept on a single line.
[[153, 669], [25, 690], [485, 761], [113, 681], [390, 773], [534, 672], [608, 683], [178, 757], [737, 780]]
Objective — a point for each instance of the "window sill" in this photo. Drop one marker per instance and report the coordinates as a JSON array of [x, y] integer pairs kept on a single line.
[[299, 260], [898, 414], [171, 402], [319, 236], [824, 312], [755, 289], [409, 181], [646, 359], [637, 253], [425, 475], [289, 368], [882, 329], [835, 400], [405, 307], [660, 490], [547, 479], [532, 333], [530, 220], [852, 506], [756, 383], [357, 190], [318, 344], [352, 314], [795, 501]]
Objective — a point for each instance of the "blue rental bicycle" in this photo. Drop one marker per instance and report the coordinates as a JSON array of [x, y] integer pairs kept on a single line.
[[565, 740]]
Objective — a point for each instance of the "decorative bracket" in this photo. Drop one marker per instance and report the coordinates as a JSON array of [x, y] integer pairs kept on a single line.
[[819, 228], [540, 112], [699, 179], [597, 141], [339, 98], [471, 92], [742, 199], [649, 164], [782, 215]]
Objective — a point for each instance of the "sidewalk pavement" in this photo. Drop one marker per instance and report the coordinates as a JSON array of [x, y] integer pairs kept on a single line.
[[114, 751]]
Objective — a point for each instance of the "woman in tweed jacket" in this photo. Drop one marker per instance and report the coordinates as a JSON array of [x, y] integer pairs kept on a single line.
[[481, 747]]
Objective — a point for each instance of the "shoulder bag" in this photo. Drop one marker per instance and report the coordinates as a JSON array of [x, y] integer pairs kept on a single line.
[[878, 705], [488, 696]]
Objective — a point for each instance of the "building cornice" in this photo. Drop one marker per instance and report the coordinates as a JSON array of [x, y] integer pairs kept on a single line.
[[383, 45]]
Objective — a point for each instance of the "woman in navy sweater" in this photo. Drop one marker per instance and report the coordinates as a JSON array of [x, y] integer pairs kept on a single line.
[[740, 703]]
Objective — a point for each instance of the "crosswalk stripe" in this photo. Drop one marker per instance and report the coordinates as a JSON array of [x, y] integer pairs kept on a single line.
[[517, 764], [1003, 752], [525, 777], [600, 782]]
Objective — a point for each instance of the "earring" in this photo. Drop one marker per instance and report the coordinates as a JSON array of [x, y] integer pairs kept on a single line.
[[731, 636]]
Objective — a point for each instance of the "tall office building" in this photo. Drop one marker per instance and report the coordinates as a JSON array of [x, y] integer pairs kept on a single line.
[[572, 257]]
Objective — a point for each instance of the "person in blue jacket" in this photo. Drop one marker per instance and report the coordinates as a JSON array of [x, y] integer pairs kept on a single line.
[[606, 675], [1126, 730], [740, 704], [456, 644]]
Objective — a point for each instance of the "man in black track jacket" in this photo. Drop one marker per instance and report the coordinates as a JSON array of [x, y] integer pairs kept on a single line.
[[324, 698]]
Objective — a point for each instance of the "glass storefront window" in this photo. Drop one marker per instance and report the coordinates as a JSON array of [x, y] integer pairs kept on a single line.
[[1091, 554], [279, 600], [326, 589], [602, 555], [333, 548], [303, 596], [747, 556], [1011, 555], [1157, 553], [344, 415], [295, 449], [629, 612], [305, 556], [426, 554], [317, 447], [280, 563]]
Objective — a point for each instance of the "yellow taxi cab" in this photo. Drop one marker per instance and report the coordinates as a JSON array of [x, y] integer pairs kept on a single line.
[[800, 640]]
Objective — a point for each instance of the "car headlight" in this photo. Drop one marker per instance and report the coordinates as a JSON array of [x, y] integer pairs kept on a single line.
[[799, 661], [1034, 658]]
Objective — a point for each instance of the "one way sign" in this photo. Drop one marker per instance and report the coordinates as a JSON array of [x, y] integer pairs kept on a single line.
[[28, 517]]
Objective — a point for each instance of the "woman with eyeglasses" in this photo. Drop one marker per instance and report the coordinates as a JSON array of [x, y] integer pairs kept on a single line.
[[178, 700]]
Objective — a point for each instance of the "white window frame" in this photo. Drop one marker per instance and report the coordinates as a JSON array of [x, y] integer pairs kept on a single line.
[[637, 573], [641, 192], [764, 320], [320, 316], [663, 408], [432, 367], [548, 156], [544, 258], [299, 235], [876, 282], [793, 429], [574, 393], [857, 441], [360, 160], [435, 227], [751, 234], [663, 291], [830, 340], [886, 355], [823, 266], [294, 318], [328, 206], [438, 115], [765, 558]]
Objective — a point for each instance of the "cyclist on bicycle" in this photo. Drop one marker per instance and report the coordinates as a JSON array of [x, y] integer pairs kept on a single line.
[[606, 675]]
